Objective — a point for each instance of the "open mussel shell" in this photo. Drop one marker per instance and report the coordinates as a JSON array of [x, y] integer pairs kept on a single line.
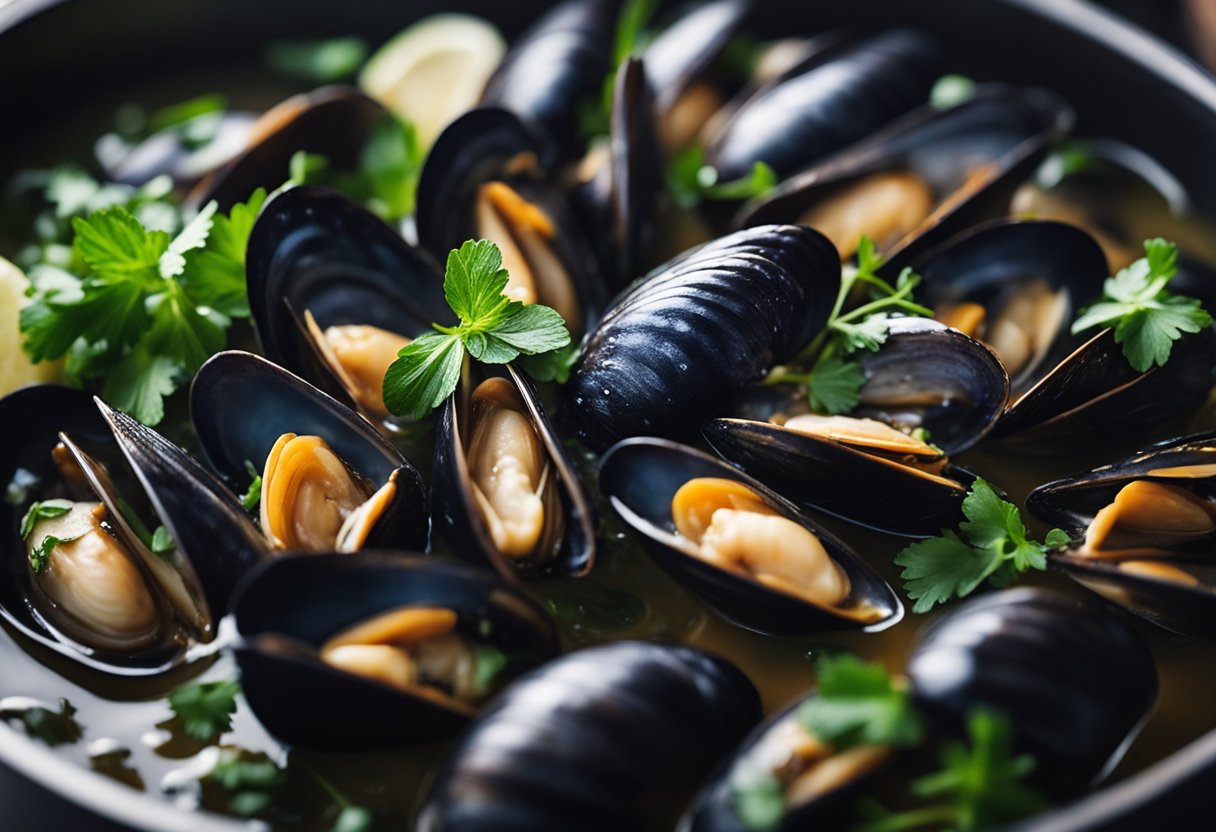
[[1072, 675], [1071, 503], [641, 476], [962, 164], [313, 250], [150, 483], [1096, 387], [241, 404], [455, 507], [594, 741], [987, 266], [839, 96], [170, 152], [333, 122], [549, 70], [291, 606], [698, 331]]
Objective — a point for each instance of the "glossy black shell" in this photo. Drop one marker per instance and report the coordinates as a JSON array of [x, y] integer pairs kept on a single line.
[[685, 49], [241, 404], [1072, 675], [839, 96], [639, 477], [562, 59], [594, 741], [290, 606], [691, 337], [313, 249]]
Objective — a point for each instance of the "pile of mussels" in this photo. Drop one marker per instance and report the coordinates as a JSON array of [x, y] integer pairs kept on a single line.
[[331, 587]]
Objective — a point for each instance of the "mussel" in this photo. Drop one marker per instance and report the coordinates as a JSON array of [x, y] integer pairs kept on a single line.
[[1144, 531], [869, 468], [121, 565], [690, 337], [483, 180], [389, 648], [1074, 678], [334, 294], [745, 550], [505, 492], [924, 177], [602, 739], [838, 96], [1017, 285], [329, 480]]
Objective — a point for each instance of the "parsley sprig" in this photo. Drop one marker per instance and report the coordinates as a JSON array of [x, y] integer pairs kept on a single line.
[[858, 703], [1147, 318], [835, 379], [146, 310], [981, 784], [205, 709], [690, 181], [252, 783], [492, 329], [993, 546]]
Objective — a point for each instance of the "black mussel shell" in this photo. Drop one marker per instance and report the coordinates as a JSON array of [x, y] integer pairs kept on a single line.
[[1074, 678], [1072, 503], [313, 249], [688, 339], [241, 404], [455, 513], [840, 96], [926, 375], [290, 606], [553, 67], [594, 741], [333, 122], [685, 49], [979, 265], [1094, 398], [972, 156], [641, 476]]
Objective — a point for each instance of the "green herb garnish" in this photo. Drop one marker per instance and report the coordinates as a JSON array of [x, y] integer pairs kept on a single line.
[[758, 801], [690, 181], [52, 727], [162, 541], [1146, 318], [951, 90], [317, 61], [993, 546], [205, 709], [981, 784], [859, 704], [630, 39], [40, 555], [43, 510], [149, 309], [391, 163], [834, 380], [253, 494], [252, 783], [492, 329]]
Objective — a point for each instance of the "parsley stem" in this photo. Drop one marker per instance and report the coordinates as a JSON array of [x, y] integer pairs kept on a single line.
[[880, 304]]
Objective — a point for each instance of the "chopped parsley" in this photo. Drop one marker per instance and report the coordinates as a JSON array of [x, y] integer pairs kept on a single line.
[[690, 181], [162, 542], [1147, 318], [146, 309], [991, 545], [858, 703], [492, 329], [834, 380], [253, 494], [252, 784], [43, 510], [205, 709]]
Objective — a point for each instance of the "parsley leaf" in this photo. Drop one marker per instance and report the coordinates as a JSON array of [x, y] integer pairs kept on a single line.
[[1147, 318], [690, 181], [859, 704], [253, 494], [317, 61], [44, 510], [835, 385], [551, 366], [993, 546], [162, 541], [252, 783], [493, 329], [758, 801], [392, 162], [52, 727], [205, 708], [40, 555]]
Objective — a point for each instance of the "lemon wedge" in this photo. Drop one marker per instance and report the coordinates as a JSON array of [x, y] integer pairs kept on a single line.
[[15, 367]]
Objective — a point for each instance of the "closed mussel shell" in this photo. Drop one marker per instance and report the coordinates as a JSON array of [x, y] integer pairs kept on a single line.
[[595, 741], [689, 338], [457, 496], [291, 606], [927, 376], [1074, 678], [242, 404], [641, 476], [313, 250], [1157, 594]]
